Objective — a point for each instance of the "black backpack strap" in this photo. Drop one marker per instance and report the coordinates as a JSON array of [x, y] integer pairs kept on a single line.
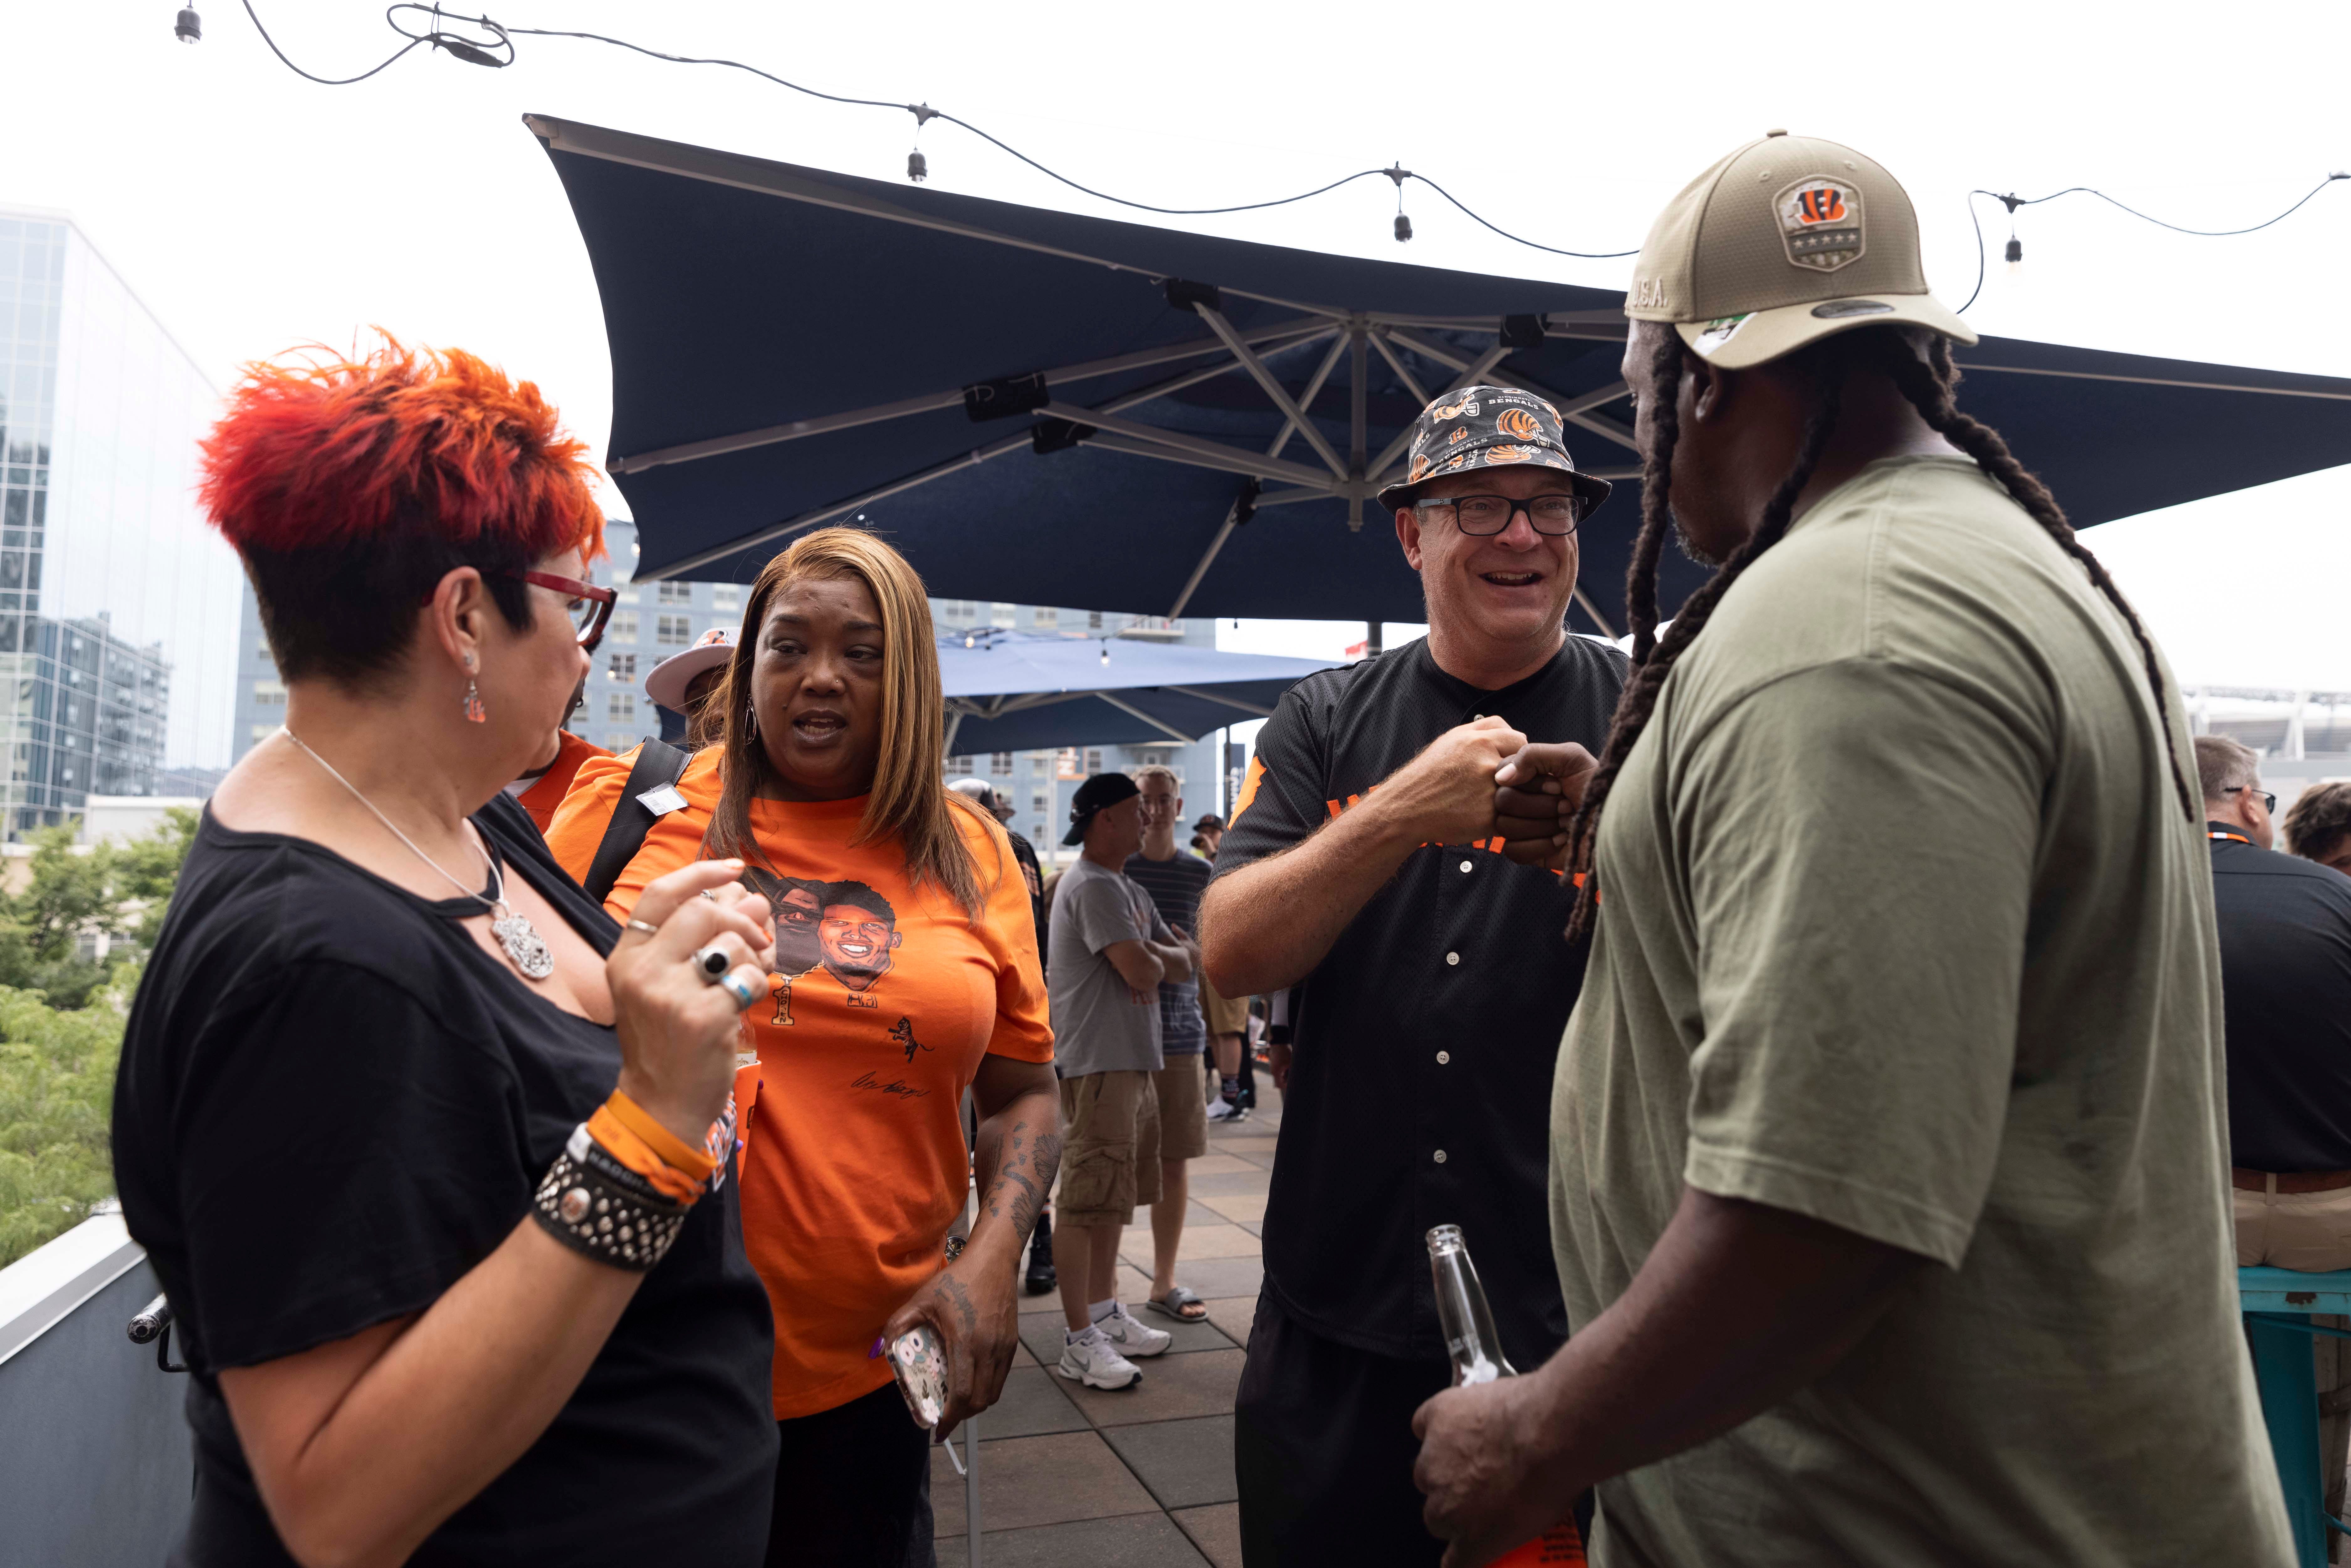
[[657, 764]]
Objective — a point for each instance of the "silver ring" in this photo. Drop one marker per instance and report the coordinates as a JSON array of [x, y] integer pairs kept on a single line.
[[712, 964], [648, 928], [741, 989], [710, 896]]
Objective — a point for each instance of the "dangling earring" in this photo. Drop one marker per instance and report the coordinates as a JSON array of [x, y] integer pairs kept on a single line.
[[750, 719], [473, 703]]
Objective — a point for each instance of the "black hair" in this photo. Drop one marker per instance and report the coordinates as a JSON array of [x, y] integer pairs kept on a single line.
[[346, 612], [857, 895], [1928, 385]]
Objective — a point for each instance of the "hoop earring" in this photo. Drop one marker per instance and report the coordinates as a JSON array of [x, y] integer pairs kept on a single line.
[[472, 704], [750, 719]]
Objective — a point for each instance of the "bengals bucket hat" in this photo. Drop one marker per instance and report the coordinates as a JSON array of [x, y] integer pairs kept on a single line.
[[1785, 242], [1489, 427]]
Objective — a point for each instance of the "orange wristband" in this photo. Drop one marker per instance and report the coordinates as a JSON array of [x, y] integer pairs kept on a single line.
[[624, 1143], [679, 1154]]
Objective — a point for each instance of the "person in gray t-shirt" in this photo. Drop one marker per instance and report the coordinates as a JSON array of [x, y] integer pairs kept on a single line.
[[1110, 952]]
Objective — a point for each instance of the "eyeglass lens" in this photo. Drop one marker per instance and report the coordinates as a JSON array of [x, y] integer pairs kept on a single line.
[[1491, 514]]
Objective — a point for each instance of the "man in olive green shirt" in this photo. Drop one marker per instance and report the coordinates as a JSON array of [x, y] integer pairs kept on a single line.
[[1889, 1170]]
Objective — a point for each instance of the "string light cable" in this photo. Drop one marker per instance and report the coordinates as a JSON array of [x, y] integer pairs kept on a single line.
[[493, 46], [2015, 248]]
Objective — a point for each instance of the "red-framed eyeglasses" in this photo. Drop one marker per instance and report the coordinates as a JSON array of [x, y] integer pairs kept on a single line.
[[588, 606]]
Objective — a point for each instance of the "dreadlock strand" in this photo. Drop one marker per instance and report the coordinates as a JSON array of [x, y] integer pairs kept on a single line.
[[1929, 386], [1639, 702], [1656, 481]]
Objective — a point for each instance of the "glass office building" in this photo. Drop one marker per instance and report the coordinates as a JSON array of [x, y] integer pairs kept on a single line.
[[118, 631]]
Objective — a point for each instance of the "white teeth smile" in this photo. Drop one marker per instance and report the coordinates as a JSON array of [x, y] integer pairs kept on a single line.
[[1511, 579], [855, 949]]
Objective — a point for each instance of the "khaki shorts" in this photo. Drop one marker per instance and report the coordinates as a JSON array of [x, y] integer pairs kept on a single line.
[[2310, 1231], [1225, 1015], [1110, 1161], [1182, 1095]]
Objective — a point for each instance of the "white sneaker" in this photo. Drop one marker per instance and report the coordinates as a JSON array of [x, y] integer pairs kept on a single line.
[[1219, 1109], [1092, 1360], [1132, 1338]]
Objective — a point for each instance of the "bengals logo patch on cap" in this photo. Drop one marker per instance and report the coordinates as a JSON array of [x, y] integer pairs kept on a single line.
[[1518, 424], [1820, 224]]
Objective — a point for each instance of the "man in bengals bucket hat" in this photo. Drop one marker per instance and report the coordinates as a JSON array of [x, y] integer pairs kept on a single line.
[[1373, 871], [1889, 1174]]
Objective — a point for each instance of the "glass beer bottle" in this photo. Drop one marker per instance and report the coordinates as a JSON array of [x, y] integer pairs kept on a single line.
[[1467, 1325]]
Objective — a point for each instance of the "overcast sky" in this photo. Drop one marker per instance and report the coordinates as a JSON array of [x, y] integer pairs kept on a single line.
[[254, 211]]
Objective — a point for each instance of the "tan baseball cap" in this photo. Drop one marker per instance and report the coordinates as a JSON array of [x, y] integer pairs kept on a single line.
[[1784, 242]]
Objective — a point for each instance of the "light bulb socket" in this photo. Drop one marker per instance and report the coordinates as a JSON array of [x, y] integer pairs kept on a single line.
[[190, 28], [2015, 250], [1402, 228], [918, 168]]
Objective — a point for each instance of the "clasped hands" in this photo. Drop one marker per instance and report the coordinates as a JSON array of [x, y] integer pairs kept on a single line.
[[1486, 780]]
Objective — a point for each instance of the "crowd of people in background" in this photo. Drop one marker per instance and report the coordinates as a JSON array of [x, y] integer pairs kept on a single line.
[[1823, 1020]]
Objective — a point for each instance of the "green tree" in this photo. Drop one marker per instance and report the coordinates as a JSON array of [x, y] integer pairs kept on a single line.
[[61, 1017], [57, 1088]]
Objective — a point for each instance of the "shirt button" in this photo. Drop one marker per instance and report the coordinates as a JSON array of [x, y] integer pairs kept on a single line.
[[1453, 957], [1443, 1057], [1465, 865], [1440, 1156]]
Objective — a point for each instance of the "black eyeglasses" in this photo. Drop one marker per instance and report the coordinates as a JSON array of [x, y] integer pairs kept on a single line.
[[1485, 516], [2269, 802]]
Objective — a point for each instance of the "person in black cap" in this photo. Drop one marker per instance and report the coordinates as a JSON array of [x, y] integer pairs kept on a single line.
[[1110, 951], [1359, 868]]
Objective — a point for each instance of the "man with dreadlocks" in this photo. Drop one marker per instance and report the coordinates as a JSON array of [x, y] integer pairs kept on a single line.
[[1889, 1176]]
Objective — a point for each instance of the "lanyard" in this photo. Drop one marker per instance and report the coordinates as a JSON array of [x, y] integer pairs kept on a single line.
[[2232, 838]]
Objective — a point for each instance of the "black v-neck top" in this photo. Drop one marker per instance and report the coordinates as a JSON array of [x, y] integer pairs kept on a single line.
[[333, 1105], [1420, 1093]]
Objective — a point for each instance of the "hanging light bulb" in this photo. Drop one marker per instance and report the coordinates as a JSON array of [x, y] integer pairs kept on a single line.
[[1399, 174], [918, 168], [190, 28], [2015, 248], [2015, 254], [1105, 659]]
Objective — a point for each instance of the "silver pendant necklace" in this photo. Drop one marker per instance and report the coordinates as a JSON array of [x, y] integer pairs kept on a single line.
[[521, 940]]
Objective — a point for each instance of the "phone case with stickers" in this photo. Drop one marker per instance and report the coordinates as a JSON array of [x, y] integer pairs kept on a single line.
[[922, 1373]]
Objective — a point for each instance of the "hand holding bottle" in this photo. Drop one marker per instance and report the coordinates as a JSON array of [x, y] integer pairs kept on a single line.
[[1483, 1461]]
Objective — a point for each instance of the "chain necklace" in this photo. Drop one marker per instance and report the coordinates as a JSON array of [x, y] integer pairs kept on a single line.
[[515, 933]]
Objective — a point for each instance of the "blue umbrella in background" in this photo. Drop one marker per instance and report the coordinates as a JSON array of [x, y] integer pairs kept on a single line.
[[1050, 408], [1034, 691]]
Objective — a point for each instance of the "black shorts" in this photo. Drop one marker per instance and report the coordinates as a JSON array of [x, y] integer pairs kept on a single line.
[[853, 1488], [1322, 1447]]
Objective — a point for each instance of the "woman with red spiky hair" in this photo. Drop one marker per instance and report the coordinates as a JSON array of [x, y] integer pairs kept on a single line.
[[430, 1156]]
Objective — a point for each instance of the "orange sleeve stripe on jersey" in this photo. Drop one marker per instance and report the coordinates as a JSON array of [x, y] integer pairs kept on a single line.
[[1248, 789]]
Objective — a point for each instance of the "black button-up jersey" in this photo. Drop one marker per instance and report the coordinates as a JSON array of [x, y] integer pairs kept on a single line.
[[1420, 1088]]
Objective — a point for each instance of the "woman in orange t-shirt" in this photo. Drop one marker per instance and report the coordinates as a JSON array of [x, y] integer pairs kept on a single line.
[[906, 971]]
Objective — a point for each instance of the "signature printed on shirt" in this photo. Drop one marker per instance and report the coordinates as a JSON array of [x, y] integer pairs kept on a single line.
[[897, 1086]]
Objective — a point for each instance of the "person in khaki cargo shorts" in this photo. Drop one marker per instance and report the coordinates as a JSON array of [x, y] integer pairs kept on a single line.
[[1110, 952]]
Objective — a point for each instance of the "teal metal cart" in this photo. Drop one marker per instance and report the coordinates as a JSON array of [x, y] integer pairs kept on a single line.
[[2279, 1305]]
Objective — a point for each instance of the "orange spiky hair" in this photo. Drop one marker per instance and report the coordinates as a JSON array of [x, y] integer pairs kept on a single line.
[[317, 449]]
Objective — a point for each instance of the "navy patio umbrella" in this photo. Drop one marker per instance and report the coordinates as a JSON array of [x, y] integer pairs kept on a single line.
[[1043, 407], [1033, 690]]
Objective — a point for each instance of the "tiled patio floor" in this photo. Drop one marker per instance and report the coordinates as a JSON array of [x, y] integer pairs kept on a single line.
[[1143, 1477]]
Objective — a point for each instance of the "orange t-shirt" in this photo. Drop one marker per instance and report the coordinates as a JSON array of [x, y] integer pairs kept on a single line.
[[885, 1001], [545, 795]]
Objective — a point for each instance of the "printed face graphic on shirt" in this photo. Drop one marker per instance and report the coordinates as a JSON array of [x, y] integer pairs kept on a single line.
[[859, 933], [798, 905]]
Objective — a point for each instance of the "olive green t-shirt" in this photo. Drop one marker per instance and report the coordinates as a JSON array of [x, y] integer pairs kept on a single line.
[[1902, 926]]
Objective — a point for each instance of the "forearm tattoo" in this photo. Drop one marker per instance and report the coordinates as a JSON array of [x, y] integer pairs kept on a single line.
[[1020, 1167]]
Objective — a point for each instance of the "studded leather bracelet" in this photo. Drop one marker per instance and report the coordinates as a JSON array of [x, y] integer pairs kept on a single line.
[[599, 1208]]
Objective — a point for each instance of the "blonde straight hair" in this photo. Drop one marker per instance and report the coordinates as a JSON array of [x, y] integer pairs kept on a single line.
[[910, 800]]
